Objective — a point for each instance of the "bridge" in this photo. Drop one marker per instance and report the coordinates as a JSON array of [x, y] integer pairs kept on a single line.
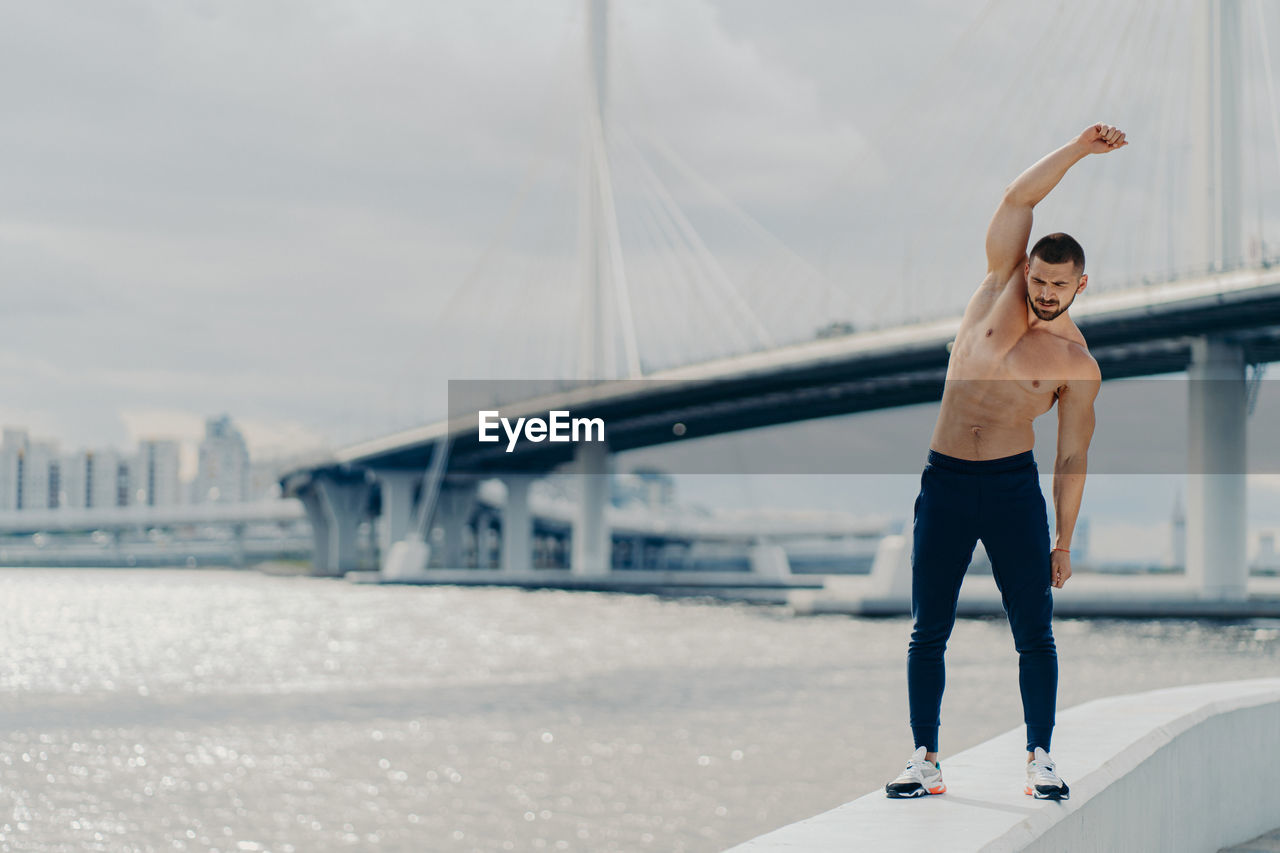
[[89, 519], [192, 534], [1217, 317]]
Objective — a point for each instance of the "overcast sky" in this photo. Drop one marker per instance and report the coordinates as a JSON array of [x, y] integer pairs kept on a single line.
[[310, 215]]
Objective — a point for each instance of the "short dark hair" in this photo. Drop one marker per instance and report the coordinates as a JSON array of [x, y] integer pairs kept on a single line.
[[1058, 248]]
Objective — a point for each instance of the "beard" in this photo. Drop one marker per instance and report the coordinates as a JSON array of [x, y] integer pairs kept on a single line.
[[1046, 314]]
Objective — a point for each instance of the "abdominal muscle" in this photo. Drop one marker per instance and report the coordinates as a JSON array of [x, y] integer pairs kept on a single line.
[[988, 418]]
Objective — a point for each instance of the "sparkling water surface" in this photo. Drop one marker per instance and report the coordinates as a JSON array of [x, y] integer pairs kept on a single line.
[[232, 711]]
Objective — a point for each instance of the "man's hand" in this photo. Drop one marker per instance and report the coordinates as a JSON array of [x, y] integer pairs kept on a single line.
[[1101, 138], [1010, 228], [1059, 567]]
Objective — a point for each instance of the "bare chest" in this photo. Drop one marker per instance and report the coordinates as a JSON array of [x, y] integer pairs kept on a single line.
[[1024, 377]]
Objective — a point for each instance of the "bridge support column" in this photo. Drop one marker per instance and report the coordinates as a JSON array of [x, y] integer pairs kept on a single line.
[[335, 508], [769, 560], [592, 545], [454, 507], [237, 548], [1216, 530], [397, 507], [517, 526]]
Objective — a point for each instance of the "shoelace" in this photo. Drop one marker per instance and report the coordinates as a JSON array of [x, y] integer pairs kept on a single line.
[[1046, 771], [914, 768]]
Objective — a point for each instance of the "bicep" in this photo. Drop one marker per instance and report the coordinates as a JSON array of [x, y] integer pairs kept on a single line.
[[1076, 417], [1007, 237]]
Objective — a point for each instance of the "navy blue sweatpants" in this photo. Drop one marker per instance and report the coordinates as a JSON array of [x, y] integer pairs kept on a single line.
[[998, 501]]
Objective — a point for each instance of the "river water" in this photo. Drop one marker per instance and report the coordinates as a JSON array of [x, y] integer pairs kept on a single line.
[[232, 711]]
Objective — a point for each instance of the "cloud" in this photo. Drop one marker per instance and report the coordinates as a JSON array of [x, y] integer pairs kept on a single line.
[[267, 209]]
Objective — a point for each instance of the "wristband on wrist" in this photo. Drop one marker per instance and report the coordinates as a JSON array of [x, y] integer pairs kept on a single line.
[[1068, 550]]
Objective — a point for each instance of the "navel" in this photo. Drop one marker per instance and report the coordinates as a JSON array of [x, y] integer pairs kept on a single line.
[[1035, 383], [989, 331]]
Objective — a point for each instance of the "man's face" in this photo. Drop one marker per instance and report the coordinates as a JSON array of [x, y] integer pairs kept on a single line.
[[1051, 288]]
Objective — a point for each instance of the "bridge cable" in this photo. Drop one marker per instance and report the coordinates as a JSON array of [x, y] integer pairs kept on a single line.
[[746, 298], [674, 266], [713, 306], [1274, 112], [1251, 107], [908, 107], [617, 271], [1029, 66], [1095, 178], [661, 219], [695, 274], [716, 273], [1109, 167], [747, 220], [431, 480], [968, 165], [1161, 202]]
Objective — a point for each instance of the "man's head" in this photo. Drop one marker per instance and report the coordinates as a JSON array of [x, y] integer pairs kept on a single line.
[[1055, 274]]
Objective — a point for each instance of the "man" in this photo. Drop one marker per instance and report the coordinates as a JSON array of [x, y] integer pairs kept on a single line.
[[1016, 352]]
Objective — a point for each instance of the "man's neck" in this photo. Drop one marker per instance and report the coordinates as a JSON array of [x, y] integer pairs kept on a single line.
[[1062, 326]]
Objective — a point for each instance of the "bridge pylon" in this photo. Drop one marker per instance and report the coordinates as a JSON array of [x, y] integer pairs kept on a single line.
[[1216, 498]]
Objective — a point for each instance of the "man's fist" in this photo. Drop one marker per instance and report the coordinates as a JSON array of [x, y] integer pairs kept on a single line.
[[1059, 567], [1101, 138]]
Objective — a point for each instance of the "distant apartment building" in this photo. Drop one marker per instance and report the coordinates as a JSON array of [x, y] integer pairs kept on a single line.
[[40, 476], [223, 472], [12, 444], [95, 478], [154, 473], [30, 472]]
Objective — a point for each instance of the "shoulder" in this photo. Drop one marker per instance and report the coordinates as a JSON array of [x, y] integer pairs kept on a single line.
[[1082, 372]]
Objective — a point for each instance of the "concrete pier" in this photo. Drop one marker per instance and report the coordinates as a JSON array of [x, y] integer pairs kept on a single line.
[[1155, 771], [517, 526], [398, 503], [1216, 505], [336, 505], [591, 539]]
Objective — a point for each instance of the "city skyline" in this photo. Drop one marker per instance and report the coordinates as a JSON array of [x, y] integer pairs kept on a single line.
[[36, 471]]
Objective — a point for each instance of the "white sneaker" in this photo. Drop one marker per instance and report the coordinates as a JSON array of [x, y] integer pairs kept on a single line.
[[1043, 781], [920, 778]]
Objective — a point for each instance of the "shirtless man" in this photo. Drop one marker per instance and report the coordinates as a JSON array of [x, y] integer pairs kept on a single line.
[[1016, 352]]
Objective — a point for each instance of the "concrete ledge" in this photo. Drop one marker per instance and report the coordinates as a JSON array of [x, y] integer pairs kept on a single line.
[[729, 586], [1086, 594], [1181, 769]]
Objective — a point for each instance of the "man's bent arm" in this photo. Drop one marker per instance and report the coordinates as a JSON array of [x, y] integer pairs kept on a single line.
[[1010, 227]]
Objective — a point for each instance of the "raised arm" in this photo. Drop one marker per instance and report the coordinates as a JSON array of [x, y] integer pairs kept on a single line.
[[1010, 228]]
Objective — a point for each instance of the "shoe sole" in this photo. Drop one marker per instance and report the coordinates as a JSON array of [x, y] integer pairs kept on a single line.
[[1048, 795], [917, 792]]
